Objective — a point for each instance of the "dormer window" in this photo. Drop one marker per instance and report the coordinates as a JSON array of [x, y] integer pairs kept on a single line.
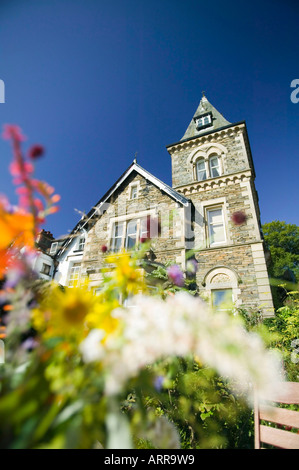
[[203, 121]]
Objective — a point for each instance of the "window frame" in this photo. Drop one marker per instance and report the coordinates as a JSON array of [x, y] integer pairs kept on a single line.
[[222, 289], [141, 230], [134, 192], [208, 211], [201, 160], [52, 249], [212, 168], [114, 237], [70, 280], [44, 271], [200, 121], [208, 168], [81, 242]]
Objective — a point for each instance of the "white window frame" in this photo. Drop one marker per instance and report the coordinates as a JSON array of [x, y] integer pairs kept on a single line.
[[134, 191], [74, 269], [211, 168], [114, 237], [209, 210], [53, 248], [125, 220], [231, 282], [201, 160], [81, 243], [203, 121]]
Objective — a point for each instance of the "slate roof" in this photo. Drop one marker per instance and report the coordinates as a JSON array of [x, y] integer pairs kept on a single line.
[[205, 107]]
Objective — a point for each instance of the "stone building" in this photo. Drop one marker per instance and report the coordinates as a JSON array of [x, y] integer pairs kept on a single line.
[[212, 180]]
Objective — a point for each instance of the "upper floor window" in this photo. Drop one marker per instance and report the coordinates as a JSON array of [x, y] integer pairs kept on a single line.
[[204, 121], [201, 169], [125, 235], [208, 168], [216, 226], [134, 192], [81, 244], [214, 166]]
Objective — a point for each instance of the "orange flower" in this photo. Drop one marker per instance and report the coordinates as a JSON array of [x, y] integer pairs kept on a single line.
[[16, 228]]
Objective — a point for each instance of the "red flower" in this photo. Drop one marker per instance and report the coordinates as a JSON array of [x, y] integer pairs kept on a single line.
[[36, 151], [238, 218], [104, 248]]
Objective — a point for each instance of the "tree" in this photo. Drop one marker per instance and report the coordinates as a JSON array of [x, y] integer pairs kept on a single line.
[[282, 240]]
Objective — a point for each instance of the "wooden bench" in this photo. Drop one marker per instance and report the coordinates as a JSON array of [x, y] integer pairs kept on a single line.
[[287, 393]]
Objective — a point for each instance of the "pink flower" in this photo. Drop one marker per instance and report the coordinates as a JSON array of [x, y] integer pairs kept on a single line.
[[20, 172], [176, 275], [36, 151], [238, 218], [11, 131]]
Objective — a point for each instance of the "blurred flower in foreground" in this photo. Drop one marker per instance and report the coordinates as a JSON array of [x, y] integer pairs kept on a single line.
[[180, 326], [36, 151], [67, 313], [239, 217], [16, 227], [176, 275], [127, 274], [191, 266], [11, 131], [19, 225]]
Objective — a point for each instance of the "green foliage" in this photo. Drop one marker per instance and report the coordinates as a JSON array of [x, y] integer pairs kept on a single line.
[[282, 239], [285, 324], [197, 402]]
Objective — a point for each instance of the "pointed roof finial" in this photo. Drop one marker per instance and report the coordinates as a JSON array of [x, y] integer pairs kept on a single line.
[[203, 94], [135, 159]]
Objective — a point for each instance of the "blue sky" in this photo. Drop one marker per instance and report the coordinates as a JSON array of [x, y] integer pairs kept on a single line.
[[96, 81]]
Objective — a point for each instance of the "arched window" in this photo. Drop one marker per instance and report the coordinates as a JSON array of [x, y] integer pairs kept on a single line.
[[214, 166], [201, 171], [221, 284]]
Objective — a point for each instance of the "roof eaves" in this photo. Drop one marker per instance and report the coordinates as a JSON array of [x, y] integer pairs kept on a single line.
[[206, 133]]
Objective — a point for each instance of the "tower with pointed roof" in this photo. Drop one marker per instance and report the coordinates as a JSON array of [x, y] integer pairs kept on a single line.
[[212, 166]]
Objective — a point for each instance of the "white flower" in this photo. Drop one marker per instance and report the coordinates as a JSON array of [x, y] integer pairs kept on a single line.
[[91, 347], [180, 326]]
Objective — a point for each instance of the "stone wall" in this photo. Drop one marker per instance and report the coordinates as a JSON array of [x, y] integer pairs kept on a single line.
[[169, 246], [233, 150]]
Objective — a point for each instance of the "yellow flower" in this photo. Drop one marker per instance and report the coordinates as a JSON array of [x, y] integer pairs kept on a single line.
[[101, 317], [71, 312], [127, 274]]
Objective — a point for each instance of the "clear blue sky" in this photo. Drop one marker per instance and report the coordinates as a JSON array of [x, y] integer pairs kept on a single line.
[[96, 81]]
